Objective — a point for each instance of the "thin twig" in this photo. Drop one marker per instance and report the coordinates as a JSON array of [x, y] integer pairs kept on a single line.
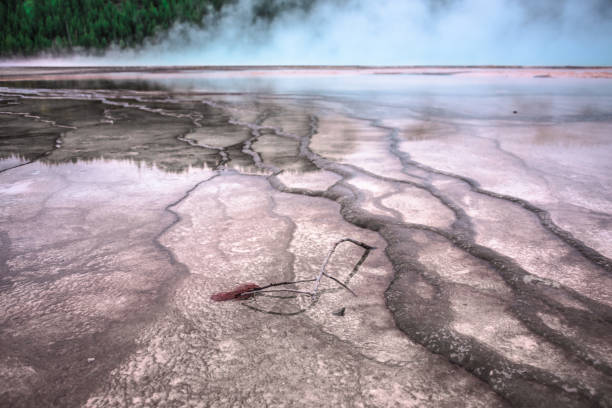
[[283, 283], [262, 289], [342, 284], [322, 271], [316, 280], [257, 291]]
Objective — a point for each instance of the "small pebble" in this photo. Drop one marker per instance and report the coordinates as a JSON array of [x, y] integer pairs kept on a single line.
[[339, 312]]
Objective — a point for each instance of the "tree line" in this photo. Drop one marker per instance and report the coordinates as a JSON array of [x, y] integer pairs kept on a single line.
[[30, 26]]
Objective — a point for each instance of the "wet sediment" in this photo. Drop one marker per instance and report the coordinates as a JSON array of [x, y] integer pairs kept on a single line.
[[535, 339]]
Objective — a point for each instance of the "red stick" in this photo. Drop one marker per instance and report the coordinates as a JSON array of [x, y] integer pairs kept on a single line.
[[236, 294]]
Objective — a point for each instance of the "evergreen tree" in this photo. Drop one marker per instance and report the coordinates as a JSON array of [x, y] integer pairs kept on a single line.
[[31, 26]]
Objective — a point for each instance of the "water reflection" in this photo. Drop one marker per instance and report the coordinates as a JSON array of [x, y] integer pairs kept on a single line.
[[165, 119], [99, 83]]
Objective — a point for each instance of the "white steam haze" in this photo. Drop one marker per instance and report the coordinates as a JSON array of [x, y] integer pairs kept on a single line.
[[385, 32]]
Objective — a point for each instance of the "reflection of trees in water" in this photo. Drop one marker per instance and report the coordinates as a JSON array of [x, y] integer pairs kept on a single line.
[[99, 83], [102, 134], [160, 130]]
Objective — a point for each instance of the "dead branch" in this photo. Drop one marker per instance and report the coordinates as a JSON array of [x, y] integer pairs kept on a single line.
[[286, 283], [331, 252], [249, 290], [255, 291], [343, 285]]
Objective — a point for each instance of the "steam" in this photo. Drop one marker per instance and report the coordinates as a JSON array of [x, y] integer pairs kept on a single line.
[[385, 32]]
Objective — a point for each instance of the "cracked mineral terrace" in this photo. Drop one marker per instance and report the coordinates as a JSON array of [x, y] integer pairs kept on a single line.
[[128, 197]]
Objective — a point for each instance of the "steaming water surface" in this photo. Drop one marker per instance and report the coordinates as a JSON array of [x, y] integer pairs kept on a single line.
[[130, 197]]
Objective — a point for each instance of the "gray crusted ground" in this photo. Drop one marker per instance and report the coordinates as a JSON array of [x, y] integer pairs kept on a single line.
[[122, 212]]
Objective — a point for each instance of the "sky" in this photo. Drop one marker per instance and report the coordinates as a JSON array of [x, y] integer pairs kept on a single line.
[[385, 32]]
